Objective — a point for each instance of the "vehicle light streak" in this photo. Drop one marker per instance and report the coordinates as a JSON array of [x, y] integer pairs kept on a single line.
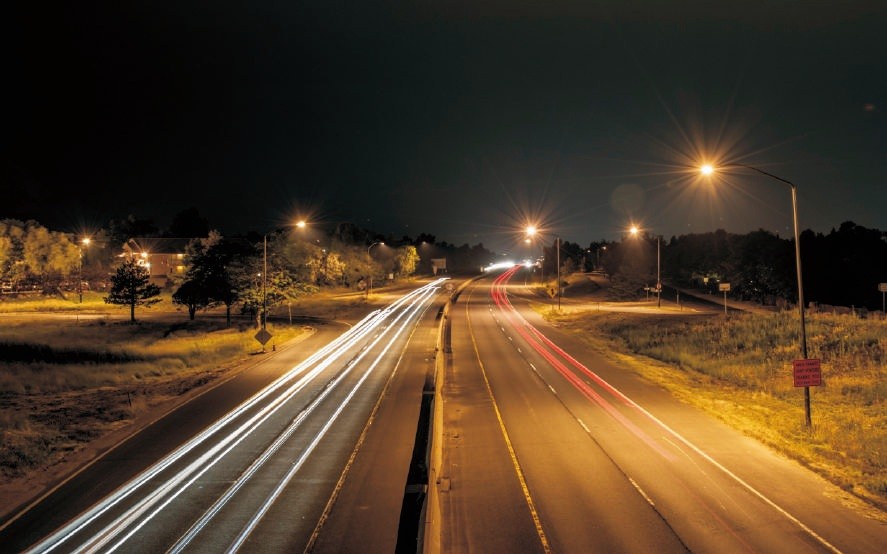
[[60, 536], [276, 395], [295, 424], [522, 327], [216, 453], [254, 521], [500, 297]]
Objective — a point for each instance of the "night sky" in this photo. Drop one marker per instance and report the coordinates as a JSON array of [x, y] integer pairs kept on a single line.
[[460, 119]]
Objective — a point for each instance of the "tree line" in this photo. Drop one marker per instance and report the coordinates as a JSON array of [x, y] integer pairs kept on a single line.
[[249, 272], [841, 268]]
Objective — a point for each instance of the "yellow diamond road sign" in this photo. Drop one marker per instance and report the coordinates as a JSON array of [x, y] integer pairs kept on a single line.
[[263, 336]]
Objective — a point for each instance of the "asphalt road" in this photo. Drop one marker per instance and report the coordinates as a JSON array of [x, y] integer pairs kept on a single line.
[[551, 447], [257, 462]]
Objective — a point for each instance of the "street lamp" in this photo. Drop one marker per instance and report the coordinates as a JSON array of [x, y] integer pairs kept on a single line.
[[557, 243], [301, 224], [531, 232], [634, 232], [370, 247], [264, 282], [709, 169], [85, 242]]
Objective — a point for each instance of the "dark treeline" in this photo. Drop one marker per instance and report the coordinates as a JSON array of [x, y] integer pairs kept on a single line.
[[841, 268]]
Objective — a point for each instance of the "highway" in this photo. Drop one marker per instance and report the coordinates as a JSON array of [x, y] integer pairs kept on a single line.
[[263, 475], [551, 447]]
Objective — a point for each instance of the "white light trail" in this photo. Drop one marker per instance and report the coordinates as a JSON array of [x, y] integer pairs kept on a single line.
[[320, 361], [254, 521]]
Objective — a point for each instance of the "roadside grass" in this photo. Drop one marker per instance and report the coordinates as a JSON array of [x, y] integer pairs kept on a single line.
[[92, 302], [740, 370], [328, 304], [63, 384], [29, 303]]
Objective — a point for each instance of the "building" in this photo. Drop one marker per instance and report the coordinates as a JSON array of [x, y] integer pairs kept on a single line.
[[164, 258]]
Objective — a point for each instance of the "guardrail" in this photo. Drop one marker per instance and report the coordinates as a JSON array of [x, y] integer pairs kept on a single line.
[[431, 536]]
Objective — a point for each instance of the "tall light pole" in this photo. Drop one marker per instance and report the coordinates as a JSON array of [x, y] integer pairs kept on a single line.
[[85, 242], [635, 231], [301, 224], [658, 272], [531, 232], [370, 247], [708, 170], [264, 281], [557, 243]]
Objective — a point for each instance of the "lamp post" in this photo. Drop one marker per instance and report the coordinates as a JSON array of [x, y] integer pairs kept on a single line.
[[635, 231], [85, 242], [708, 170], [264, 281], [301, 224], [530, 230], [370, 247], [557, 243]]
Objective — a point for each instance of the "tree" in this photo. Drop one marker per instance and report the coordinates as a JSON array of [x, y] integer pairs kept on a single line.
[[131, 286], [193, 295], [11, 264], [48, 255], [223, 268], [32, 252], [405, 260], [628, 263]]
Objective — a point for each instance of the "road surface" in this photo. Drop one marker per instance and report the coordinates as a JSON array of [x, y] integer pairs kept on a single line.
[[551, 447]]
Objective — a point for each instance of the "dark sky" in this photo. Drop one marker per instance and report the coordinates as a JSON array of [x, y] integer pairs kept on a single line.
[[460, 119]]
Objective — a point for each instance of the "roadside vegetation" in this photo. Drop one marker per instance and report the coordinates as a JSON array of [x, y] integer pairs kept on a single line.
[[740, 370], [66, 382], [92, 301]]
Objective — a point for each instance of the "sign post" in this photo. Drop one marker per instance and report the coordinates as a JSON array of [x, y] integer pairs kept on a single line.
[[724, 287], [807, 373], [263, 336], [883, 288]]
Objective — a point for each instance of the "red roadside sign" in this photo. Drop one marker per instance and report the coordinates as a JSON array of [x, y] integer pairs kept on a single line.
[[807, 373]]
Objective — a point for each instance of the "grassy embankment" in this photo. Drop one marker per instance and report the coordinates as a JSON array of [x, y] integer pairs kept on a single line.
[[740, 371], [64, 382], [92, 302]]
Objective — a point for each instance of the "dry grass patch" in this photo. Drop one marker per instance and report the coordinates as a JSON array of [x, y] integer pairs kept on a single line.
[[63, 384]]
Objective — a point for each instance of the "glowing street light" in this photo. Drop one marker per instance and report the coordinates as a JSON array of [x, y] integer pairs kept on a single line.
[[635, 231], [370, 247], [301, 224], [85, 242], [709, 169], [531, 232]]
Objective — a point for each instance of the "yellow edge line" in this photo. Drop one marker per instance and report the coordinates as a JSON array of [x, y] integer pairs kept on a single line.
[[517, 468]]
